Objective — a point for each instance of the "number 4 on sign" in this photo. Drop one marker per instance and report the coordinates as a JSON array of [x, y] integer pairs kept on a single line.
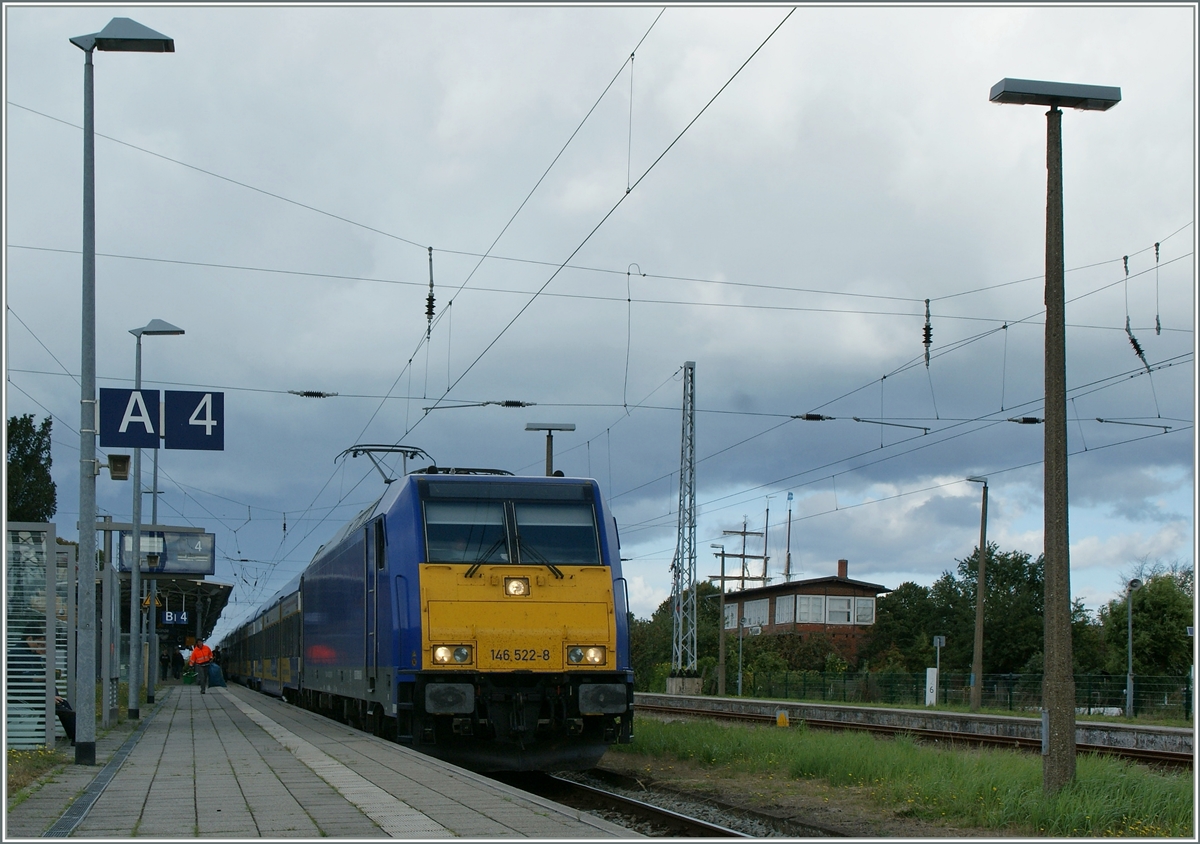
[[206, 420], [195, 420]]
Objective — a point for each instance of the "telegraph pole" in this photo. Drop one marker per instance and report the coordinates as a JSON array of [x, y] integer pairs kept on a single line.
[[743, 533]]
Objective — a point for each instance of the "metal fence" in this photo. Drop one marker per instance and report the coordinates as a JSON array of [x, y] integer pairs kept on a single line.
[[1095, 694]]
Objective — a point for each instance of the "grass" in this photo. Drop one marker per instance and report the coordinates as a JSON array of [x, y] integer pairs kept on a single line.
[[26, 767], [990, 789]]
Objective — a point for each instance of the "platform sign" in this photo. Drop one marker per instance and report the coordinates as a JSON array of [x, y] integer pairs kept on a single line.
[[174, 617], [128, 418], [195, 420], [178, 552], [931, 686], [186, 419]]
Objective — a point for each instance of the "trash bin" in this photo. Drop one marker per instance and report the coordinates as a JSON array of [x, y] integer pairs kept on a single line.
[[189, 677]]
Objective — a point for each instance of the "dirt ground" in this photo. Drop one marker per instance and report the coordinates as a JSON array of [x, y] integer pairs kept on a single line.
[[847, 811]]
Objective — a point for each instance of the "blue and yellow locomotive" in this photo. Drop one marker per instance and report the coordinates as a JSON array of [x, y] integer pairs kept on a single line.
[[474, 615]]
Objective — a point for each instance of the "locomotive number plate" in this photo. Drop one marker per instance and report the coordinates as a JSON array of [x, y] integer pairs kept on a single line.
[[520, 655]]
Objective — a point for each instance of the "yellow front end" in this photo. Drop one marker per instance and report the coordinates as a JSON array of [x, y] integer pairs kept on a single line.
[[517, 618]]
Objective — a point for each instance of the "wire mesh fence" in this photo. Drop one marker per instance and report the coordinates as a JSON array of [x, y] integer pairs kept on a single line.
[[1095, 694]]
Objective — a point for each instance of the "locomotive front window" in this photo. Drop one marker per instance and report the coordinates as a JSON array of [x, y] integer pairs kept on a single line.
[[563, 534], [465, 532]]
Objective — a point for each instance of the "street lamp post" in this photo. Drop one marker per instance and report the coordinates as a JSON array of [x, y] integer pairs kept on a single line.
[[980, 594], [121, 35], [156, 327], [1058, 767], [549, 428], [1130, 588], [721, 628], [742, 620]]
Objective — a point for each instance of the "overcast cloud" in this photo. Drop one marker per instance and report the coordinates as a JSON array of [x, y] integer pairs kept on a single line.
[[775, 204]]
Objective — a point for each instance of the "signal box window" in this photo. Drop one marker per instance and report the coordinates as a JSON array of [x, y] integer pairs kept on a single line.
[[864, 610], [465, 532], [839, 610], [810, 609], [562, 534]]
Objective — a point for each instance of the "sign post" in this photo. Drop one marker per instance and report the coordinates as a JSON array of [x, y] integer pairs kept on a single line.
[[931, 674]]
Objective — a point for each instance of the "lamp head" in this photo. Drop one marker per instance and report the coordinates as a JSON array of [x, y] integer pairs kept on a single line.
[[123, 35], [157, 327], [1055, 94], [1135, 584], [976, 479]]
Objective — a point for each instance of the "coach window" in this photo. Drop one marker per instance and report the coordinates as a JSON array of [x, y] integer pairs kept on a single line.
[[563, 534], [465, 532]]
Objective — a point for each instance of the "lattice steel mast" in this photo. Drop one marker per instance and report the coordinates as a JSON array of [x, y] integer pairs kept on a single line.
[[683, 566]]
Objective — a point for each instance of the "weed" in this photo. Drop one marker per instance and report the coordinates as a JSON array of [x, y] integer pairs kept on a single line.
[[987, 788]]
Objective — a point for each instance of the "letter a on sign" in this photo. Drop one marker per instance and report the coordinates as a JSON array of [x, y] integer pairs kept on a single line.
[[128, 418], [195, 420]]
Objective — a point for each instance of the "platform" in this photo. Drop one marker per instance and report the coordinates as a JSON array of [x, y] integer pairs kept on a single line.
[[237, 764]]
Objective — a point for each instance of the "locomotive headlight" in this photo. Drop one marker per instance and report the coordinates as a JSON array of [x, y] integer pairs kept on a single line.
[[452, 655], [516, 587], [586, 655]]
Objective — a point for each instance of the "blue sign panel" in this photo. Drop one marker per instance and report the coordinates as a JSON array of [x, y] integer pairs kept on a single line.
[[174, 617], [128, 418], [178, 552], [195, 420]]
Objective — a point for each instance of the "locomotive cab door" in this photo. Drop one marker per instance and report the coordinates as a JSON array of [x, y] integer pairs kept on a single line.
[[375, 560]]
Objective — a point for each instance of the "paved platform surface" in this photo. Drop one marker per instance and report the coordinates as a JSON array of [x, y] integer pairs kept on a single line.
[[236, 764]]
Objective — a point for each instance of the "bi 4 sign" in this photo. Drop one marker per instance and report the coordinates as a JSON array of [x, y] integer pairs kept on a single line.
[[185, 419]]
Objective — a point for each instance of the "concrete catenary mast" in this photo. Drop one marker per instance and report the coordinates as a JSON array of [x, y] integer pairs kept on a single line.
[[683, 566]]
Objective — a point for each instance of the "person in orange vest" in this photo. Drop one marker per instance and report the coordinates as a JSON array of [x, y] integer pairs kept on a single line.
[[201, 656]]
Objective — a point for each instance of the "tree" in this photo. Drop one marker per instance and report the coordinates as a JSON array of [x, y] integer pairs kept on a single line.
[[902, 637], [32, 496], [1013, 626], [650, 641], [1162, 612]]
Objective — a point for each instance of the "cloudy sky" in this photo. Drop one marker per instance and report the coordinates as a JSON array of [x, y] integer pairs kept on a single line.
[[609, 192]]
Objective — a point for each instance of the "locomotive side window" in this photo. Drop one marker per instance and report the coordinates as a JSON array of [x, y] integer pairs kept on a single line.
[[557, 533], [465, 532]]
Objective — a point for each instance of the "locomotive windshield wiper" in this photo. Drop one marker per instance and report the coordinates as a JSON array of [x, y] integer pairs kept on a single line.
[[496, 546], [538, 557]]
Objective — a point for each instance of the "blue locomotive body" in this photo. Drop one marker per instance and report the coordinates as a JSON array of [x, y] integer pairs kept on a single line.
[[480, 618]]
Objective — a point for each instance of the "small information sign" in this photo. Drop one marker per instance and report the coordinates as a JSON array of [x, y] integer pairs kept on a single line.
[[178, 552]]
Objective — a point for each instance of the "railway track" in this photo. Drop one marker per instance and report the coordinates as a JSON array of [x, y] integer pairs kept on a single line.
[[1148, 756], [639, 815]]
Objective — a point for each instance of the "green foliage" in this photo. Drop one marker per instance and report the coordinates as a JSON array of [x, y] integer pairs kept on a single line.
[[1162, 612], [24, 767], [901, 640], [31, 494], [990, 789], [650, 640], [907, 619]]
